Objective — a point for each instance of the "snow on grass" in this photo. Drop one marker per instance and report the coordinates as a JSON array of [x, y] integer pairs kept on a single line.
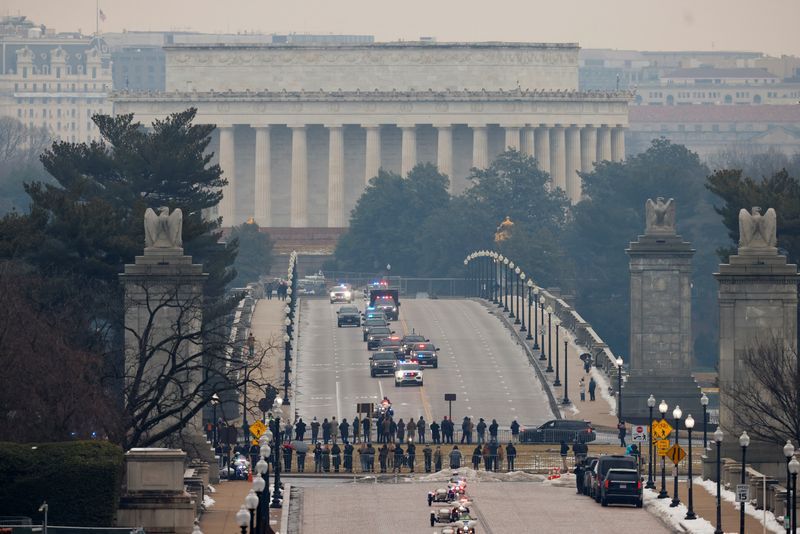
[[772, 524], [211, 489], [208, 502], [675, 518]]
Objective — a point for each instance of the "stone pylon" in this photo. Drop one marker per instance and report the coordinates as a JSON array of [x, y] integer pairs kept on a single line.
[[661, 319]]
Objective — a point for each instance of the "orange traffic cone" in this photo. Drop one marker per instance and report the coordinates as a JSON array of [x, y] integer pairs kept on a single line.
[[250, 475]]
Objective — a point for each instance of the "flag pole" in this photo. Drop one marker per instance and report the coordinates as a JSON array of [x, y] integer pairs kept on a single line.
[[97, 18]]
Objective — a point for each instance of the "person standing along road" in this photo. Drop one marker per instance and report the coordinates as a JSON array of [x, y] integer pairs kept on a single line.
[[370, 458], [301, 456], [481, 428], [476, 455], [334, 429], [411, 430], [348, 457], [455, 458], [421, 426], [579, 470], [314, 430], [299, 429], [437, 459], [621, 433], [356, 430], [493, 430], [435, 433], [365, 426], [398, 457], [582, 389], [326, 458], [401, 430], [326, 431], [287, 457], [592, 387], [336, 456], [563, 452], [514, 431], [411, 453], [498, 462], [427, 453], [317, 458], [383, 454], [344, 430], [511, 455]]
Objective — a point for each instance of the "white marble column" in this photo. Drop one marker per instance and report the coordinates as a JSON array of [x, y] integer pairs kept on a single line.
[[512, 137], [299, 188], [372, 163], [227, 162], [542, 147], [444, 151], [618, 143], [262, 211], [336, 215], [573, 163], [558, 157], [408, 149], [528, 145], [603, 143], [588, 147], [480, 146]]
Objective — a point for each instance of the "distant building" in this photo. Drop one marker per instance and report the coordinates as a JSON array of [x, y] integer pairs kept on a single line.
[[53, 80]]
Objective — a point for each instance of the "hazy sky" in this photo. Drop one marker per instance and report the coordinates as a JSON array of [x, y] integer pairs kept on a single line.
[[768, 26]]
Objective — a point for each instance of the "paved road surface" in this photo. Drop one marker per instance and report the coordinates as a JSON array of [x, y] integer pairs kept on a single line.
[[478, 361]]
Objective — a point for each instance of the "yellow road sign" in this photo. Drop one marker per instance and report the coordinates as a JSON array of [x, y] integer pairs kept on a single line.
[[662, 446], [676, 453], [661, 429], [258, 428]]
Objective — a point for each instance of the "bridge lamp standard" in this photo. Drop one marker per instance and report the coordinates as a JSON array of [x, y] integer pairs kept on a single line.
[[689, 423], [619, 389], [794, 467], [466, 277], [520, 274], [549, 338], [500, 285], [744, 442], [718, 435], [531, 331], [651, 403], [676, 415], [704, 404], [662, 408], [505, 284], [510, 283], [494, 267], [788, 451]]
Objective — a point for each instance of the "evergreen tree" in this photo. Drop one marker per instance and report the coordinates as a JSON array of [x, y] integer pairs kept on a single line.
[[254, 257]]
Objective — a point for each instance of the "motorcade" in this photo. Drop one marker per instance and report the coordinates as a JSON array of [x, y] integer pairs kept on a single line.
[[409, 339], [341, 293], [601, 468], [348, 315], [387, 301], [622, 485], [372, 323], [391, 344], [381, 363], [407, 373], [425, 354], [376, 334], [438, 495], [558, 430]]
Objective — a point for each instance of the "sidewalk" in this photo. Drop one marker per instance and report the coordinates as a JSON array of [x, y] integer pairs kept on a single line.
[[268, 328], [229, 497]]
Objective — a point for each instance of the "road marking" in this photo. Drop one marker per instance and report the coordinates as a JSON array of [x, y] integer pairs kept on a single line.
[[425, 404], [338, 402]]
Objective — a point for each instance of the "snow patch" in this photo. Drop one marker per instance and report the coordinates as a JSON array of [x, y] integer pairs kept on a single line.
[[772, 523], [675, 518], [211, 489], [208, 502]]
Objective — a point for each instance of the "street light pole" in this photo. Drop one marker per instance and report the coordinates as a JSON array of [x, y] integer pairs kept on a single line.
[[517, 271], [276, 462], [505, 283], [549, 341], [794, 467], [788, 451], [704, 403], [511, 290], [744, 442], [662, 408], [521, 288], [466, 278], [214, 403], [532, 316], [619, 390], [689, 425], [566, 376], [557, 381], [651, 402], [676, 414], [718, 439]]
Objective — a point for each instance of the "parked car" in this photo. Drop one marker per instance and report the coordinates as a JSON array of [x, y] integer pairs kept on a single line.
[[622, 485], [558, 430], [601, 468]]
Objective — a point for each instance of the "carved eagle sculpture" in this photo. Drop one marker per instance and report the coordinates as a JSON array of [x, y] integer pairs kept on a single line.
[[163, 230], [756, 230], [660, 216]]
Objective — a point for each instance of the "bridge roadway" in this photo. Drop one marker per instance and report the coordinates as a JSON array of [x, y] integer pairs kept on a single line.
[[478, 360]]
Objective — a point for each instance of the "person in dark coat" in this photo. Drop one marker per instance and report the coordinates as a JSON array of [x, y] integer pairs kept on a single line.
[[421, 426], [493, 455], [563, 452], [435, 433], [299, 430], [301, 461], [621, 433], [287, 457], [326, 458], [370, 458], [314, 430], [326, 431], [356, 429], [481, 428], [348, 457], [317, 458], [579, 470], [514, 431], [365, 427], [592, 387], [493, 430], [336, 456], [411, 455], [398, 457], [427, 454], [476, 456], [455, 458], [383, 454], [437, 459], [401, 430], [511, 455], [392, 430], [344, 430]]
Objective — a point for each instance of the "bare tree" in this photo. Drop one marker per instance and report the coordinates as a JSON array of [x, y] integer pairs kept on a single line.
[[175, 362], [767, 401]]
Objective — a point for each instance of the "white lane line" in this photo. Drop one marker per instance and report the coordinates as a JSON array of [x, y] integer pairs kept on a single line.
[[338, 403], [380, 388]]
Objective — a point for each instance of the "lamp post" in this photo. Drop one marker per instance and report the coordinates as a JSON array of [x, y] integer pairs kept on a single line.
[[214, 403], [262, 468], [566, 376], [794, 467], [619, 390], [542, 355], [689, 423], [788, 451], [287, 352], [549, 341], [557, 381], [662, 408], [505, 285], [676, 415], [495, 285], [522, 277], [500, 280], [651, 403], [511, 270], [251, 502], [704, 404], [718, 439], [258, 486], [532, 315], [517, 271], [744, 442], [466, 278], [242, 519], [276, 455]]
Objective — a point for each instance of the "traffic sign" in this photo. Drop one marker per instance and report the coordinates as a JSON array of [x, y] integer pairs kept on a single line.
[[639, 433], [662, 446], [742, 493], [661, 429], [364, 407], [676, 453], [257, 429], [449, 397]]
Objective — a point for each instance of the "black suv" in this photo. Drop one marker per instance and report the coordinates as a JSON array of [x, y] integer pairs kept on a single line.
[[622, 485], [376, 334], [559, 430], [348, 315], [425, 354], [381, 363], [601, 468]]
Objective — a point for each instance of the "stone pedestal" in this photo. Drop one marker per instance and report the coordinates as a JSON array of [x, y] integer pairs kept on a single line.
[[154, 497], [661, 330]]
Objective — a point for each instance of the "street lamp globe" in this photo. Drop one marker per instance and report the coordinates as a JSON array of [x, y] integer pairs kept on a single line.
[[214, 400], [511, 265], [196, 529], [286, 338], [251, 501], [704, 400], [264, 449], [288, 290], [794, 466], [689, 422], [517, 270], [262, 465], [466, 261], [243, 517], [259, 483], [287, 321], [505, 261], [677, 413], [663, 407], [286, 309], [651, 401], [530, 285], [619, 362], [744, 440], [522, 276], [788, 449], [718, 435], [279, 402], [535, 289]]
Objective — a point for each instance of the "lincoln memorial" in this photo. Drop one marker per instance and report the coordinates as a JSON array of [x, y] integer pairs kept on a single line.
[[303, 128]]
